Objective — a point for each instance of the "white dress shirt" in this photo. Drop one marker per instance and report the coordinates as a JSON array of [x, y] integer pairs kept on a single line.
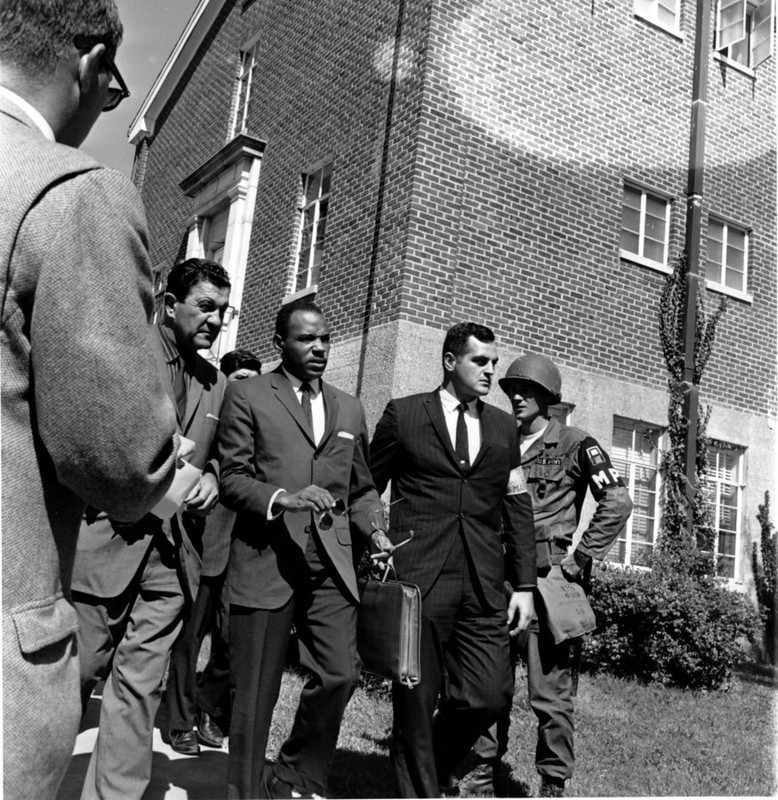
[[472, 421], [30, 111], [317, 403]]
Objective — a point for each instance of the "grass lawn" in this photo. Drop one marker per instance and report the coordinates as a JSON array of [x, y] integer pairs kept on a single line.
[[631, 740]]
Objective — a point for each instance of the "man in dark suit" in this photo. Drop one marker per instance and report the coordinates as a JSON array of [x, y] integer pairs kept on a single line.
[[456, 463], [293, 453], [131, 582], [85, 419], [199, 712]]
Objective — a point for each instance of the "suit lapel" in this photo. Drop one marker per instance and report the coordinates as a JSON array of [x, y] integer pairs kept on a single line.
[[194, 392], [434, 409], [286, 396]]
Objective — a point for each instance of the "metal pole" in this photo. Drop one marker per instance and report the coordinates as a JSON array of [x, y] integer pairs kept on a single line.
[[694, 187]]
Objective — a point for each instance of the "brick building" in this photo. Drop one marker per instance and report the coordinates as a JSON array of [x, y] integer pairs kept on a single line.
[[414, 163]]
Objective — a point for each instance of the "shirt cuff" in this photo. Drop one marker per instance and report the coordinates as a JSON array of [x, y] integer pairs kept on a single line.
[[270, 515]]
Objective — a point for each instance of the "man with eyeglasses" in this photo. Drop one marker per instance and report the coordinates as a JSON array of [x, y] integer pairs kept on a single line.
[[85, 417], [132, 583], [293, 453]]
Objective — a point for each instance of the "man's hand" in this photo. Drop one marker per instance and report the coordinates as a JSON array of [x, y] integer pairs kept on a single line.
[[380, 546], [311, 498], [203, 497], [521, 603], [574, 564]]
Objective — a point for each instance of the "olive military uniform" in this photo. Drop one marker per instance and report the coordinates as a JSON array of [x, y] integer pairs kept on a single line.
[[559, 467]]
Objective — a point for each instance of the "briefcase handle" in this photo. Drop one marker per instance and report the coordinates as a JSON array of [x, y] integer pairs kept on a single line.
[[389, 563]]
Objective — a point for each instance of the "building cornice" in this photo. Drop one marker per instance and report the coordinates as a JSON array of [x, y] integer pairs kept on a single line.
[[161, 90], [241, 146]]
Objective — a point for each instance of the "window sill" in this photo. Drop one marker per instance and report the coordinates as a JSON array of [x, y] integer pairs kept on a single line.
[[674, 32], [717, 287], [736, 65], [645, 262], [308, 291]]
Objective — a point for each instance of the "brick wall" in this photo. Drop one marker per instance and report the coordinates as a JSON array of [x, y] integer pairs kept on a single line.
[[478, 170], [534, 114]]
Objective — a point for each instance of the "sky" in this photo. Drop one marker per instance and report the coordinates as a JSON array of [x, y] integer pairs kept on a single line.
[[151, 30]]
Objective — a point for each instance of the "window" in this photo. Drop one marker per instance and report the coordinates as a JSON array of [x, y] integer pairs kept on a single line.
[[744, 31], [313, 226], [223, 192], [245, 77], [724, 488], [635, 455], [158, 280], [664, 13], [727, 264], [645, 226]]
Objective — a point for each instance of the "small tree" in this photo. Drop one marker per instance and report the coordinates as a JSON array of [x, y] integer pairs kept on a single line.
[[676, 550], [765, 576]]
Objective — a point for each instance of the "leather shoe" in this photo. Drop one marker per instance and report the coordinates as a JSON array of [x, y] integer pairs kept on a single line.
[[184, 742], [481, 780], [207, 731]]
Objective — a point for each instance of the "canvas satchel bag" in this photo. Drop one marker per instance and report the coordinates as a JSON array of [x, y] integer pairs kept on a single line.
[[564, 606], [389, 630]]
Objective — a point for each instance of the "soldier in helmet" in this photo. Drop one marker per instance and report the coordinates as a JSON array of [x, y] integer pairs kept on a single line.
[[560, 464]]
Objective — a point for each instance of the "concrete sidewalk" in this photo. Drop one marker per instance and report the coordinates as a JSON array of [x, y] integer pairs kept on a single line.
[[173, 776]]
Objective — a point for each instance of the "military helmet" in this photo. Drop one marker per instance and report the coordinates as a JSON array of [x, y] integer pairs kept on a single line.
[[536, 369]]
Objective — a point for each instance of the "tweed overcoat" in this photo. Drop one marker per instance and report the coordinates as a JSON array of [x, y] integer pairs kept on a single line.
[[85, 418]]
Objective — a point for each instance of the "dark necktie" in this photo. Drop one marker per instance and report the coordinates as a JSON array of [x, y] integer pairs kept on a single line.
[[179, 387], [461, 447], [305, 401]]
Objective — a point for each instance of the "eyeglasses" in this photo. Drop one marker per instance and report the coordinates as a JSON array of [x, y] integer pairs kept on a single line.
[[115, 94], [378, 519]]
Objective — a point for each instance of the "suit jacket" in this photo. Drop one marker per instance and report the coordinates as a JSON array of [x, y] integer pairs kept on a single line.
[[265, 445], [84, 415], [412, 449], [109, 555]]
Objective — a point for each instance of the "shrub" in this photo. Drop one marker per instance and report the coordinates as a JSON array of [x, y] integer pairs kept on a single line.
[[765, 576], [667, 627]]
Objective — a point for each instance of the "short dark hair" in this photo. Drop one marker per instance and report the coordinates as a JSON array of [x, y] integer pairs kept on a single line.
[[457, 336], [34, 34], [239, 359], [286, 311], [186, 274]]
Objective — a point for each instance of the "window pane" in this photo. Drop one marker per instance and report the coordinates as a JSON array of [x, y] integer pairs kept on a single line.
[[325, 181], [630, 242], [654, 250], [734, 280], [732, 22], [725, 567], [616, 554], [312, 189]]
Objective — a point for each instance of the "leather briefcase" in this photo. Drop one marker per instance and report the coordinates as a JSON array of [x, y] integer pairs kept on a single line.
[[389, 630]]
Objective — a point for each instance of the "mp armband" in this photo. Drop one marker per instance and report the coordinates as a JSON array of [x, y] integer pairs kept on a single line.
[[517, 483]]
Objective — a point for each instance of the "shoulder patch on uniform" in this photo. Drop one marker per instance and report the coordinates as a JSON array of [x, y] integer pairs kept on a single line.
[[517, 483], [596, 456]]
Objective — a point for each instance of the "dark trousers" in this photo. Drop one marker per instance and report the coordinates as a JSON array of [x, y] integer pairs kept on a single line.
[[185, 695], [466, 642], [325, 620]]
